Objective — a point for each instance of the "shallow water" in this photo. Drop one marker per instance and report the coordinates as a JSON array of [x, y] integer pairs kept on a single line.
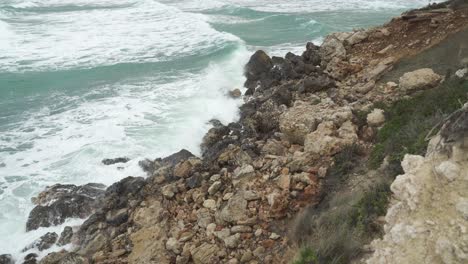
[[84, 80]]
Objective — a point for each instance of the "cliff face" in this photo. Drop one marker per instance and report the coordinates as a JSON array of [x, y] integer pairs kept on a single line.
[[236, 202], [427, 219]]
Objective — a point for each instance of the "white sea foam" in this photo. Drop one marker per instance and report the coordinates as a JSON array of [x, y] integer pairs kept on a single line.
[[145, 31], [299, 6], [146, 118]]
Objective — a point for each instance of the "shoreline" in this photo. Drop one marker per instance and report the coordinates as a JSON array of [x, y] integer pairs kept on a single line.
[[256, 174]]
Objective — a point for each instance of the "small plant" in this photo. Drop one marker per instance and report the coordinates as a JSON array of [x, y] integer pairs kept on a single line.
[[307, 256]]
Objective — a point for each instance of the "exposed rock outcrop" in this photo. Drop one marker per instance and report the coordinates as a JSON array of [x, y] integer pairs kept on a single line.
[[59, 202]]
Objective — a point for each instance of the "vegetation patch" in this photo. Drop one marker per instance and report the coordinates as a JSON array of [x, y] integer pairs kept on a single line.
[[410, 120]]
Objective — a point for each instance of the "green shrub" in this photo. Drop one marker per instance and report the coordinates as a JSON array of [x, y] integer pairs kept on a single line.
[[372, 205], [307, 256]]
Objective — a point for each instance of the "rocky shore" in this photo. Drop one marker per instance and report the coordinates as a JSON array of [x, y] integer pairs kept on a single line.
[[237, 202]]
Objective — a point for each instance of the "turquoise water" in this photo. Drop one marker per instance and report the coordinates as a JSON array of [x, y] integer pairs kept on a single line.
[[83, 80]]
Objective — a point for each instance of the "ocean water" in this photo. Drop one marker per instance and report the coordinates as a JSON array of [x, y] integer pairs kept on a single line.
[[84, 80]]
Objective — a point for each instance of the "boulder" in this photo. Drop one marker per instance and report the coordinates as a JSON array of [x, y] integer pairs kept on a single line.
[[205, 253], [59, 202], [257, 68], [213, 136], [65, 236], [114, 161], [316, 83], [176, 158], [332, 47], [235, 209], [30, 258], [376, 117], [357, 37], [297, 122], [420, 79], [44, 242], [311, 55], [236, 93]]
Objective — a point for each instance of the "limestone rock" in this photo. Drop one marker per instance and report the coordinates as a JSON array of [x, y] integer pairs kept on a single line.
[[65, 236], [297, 122], [205, 253], [376, 117], [420, 79], [63, 257], [235, 210], [450, 170]]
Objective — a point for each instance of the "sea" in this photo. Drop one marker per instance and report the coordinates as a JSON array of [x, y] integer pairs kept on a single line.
[[84, 80]]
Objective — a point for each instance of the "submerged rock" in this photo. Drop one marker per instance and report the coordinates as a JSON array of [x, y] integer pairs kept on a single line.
[[65, 236], [31, 258], [114, 161], [44, 242], [59, 202]]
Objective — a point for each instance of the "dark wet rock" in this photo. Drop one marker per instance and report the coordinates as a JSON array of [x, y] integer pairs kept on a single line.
[[311, 55], [6, 259], [114, 161], [194, 181], [257, 68], [112, 217], [175, 158], [64, 257], [146, 165], [2, 165], [214, 135], [31, 258], [59, 202], [65, 236], [44, 242], [316, 83]]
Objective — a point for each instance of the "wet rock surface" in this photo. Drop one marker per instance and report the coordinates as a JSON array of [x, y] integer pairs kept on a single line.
[[115, 161], [60, 202]]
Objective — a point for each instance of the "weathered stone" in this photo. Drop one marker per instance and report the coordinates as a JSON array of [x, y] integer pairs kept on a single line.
[[232, 241], [302, 177], [332, 47], [214, 188], [30, 258], [376, 117], [357, 37], [244, 172], [210, 204], [274, 236], [59, 202], [205, 253], [173, 245], [169, 191], [65, 236], [241, 229], [316, 83], [247, 256], [44, 242], [297, 122], [236, 93], [235, 210], [204, 217], [419, 79], [284, 181], [448, 169], [183, 169]]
